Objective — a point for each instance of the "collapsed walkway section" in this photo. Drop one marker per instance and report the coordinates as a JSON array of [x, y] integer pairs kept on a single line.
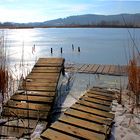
[[89, 118], [34, 100]]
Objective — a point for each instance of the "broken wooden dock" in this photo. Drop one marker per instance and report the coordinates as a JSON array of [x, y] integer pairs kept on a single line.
[[115, 70], [34, 100], [89, 118]]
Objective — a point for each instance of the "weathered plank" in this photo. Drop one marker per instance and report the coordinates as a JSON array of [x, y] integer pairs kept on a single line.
[[98, 101], [102, 93], [29, 98], [25, 113], [79, 132], [38, 93], [11, 131], [43, 77], [56, 135], [44, 74], [83, 68], [38, 88], [100, 69], [84, 124], [93, 105], [95, 68], [102, 97], [88, 116], [22, 123], [93, 111], [27, 106], [106, 69]]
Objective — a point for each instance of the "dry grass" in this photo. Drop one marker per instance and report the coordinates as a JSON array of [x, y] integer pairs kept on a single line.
[[134, 79]]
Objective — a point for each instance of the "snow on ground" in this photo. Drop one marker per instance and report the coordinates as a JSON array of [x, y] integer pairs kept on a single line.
[[127, 125]]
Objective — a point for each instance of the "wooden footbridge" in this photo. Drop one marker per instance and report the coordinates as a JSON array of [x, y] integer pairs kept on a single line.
[[97, 69], [89, 118], [33, 101]]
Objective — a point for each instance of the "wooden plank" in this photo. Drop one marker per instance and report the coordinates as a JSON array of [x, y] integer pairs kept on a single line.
[[101, 97], [38, 93], [84, 124], [103, 90], [44, 74], [94, 105], [44, 84], [38, 88], [11, 131], [91, 67], [42, 80], [25, 113], [106, 69], [88, 116], [93, 111], [98, 101], [51, 60], [100, 69], [45, 71], [95, 68], [87, 69], [83, 68], [112, 69], [76, 131], [22, 123], [48, 78], [56, 135], [27, 106], [101, 93], [32, 98]]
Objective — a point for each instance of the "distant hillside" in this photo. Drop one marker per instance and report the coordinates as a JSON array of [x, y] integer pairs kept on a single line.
[[90, 20]]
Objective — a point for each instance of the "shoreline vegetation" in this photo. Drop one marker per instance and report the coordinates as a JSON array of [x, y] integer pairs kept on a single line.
[[75, 26]]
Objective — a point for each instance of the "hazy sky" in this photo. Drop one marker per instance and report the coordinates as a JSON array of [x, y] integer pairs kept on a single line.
[[43, 10]]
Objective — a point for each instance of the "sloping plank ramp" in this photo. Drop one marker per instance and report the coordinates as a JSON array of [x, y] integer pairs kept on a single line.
[[89, 118], [34, 100], [97, 69]]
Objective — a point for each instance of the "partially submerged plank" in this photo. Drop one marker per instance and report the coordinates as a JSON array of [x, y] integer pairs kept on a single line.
[[56, 135], [22, 123], [88, 116], [84, 124], [25, 113], [93, 111], [76, 131], [11, 131]]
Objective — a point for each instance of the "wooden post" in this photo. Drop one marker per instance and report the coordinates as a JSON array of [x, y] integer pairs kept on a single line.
[[51, 50], [72, 47], [61, 50], [78, 49]]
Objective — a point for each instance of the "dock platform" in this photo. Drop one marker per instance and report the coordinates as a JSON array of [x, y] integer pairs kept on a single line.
[[116, 70], [34, 100], [89, 118]]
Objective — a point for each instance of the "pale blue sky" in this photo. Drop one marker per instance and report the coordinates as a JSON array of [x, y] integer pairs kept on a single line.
[[43, 10]]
